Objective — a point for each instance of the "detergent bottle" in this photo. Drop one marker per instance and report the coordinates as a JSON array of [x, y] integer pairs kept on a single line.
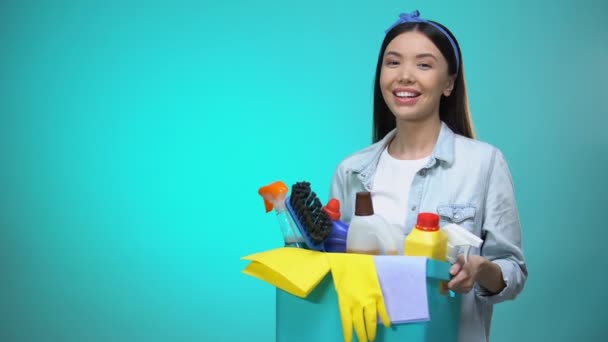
[[369, 233], [426, 239], [336, 241]]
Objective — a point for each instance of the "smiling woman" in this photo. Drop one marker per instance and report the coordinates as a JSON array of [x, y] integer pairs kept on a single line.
[[425, 159]]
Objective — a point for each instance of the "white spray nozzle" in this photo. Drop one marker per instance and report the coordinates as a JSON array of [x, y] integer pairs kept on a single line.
[[458, 238]]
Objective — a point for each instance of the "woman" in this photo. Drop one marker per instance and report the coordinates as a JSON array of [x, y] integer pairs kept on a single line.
[[424, 159]]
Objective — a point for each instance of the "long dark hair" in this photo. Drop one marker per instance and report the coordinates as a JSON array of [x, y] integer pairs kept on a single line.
[[453, 109]]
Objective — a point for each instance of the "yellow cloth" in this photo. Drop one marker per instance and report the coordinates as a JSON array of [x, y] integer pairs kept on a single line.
[[359, 294], [294, 270]]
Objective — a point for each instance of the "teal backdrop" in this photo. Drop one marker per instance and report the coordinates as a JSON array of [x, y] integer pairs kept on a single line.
[[134, 136]]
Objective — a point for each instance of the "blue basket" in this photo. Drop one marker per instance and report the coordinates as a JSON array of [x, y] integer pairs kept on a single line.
[[317, 318]]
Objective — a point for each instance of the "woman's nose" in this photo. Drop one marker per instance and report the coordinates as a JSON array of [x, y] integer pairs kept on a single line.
[[405, 76]]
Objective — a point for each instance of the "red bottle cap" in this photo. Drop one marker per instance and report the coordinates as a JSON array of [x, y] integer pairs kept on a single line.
[[333, 209], [428, 222]]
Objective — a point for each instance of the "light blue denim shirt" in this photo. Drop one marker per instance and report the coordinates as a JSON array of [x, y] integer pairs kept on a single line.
[[466, 182]]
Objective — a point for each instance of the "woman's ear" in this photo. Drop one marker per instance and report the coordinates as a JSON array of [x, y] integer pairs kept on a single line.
[[449, 86]]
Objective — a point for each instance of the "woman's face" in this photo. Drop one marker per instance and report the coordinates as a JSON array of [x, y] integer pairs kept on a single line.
[[413, 77]]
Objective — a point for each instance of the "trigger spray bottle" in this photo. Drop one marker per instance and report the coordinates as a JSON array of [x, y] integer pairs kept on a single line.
[[460, 240], [274, 196]]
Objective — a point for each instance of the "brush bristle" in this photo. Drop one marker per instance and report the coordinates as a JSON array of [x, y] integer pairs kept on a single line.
[[309, 211]]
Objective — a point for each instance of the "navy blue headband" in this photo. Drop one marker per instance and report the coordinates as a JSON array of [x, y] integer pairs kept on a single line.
[[414, 17]]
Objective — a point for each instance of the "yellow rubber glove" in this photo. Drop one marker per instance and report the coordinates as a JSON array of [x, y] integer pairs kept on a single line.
[[294, 270], [359, 294]]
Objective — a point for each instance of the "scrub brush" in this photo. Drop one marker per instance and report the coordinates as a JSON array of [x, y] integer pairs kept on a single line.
[[308, 214]]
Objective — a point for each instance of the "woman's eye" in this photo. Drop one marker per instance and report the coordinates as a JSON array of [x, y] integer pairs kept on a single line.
[[424, 66], [392, 62]]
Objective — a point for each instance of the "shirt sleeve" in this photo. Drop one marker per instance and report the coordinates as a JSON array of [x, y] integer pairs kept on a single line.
[[501, 231]]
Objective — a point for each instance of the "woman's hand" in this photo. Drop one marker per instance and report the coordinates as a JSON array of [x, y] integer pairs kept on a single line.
[[465, 275], [478, 269]]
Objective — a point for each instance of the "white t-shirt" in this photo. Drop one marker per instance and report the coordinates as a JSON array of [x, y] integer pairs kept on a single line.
[[391, 187]]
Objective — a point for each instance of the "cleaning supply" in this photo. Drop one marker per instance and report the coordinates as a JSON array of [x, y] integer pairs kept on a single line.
[[294, 270], [274, 195], [426, 239], [404, 287], [336, 241], [460, 240], [359, 294], [307, 212], [369, 233]]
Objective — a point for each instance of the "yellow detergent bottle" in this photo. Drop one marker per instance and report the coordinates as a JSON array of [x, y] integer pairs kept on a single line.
[[426, 239]]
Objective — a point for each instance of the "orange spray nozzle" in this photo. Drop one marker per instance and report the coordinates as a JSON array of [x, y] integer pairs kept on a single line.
[[273, 194]]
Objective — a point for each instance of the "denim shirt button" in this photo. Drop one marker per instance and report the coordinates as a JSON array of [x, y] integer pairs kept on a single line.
[[414, 208], [422, 172]]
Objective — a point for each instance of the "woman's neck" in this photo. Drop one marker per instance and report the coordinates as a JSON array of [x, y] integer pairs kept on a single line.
[[415, 139]]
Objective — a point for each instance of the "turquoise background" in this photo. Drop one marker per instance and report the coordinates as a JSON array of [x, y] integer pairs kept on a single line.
[[134, 136]]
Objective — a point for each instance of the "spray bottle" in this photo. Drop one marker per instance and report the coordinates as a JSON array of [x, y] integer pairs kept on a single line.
[[460, 239], [274, 195]]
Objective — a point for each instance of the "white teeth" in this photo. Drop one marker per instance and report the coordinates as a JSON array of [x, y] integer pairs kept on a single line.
[[405, 94]]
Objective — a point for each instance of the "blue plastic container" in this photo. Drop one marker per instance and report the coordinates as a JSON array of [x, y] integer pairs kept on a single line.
[[317, 318]]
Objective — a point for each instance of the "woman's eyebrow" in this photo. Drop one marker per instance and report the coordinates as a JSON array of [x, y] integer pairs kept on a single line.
[[420, 55], [423, 55], [394, 53]]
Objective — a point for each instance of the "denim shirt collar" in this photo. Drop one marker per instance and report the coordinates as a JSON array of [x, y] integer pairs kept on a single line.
[[443, 151]]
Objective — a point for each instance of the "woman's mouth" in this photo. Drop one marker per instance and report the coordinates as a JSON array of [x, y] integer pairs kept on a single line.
[[406, 97]]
